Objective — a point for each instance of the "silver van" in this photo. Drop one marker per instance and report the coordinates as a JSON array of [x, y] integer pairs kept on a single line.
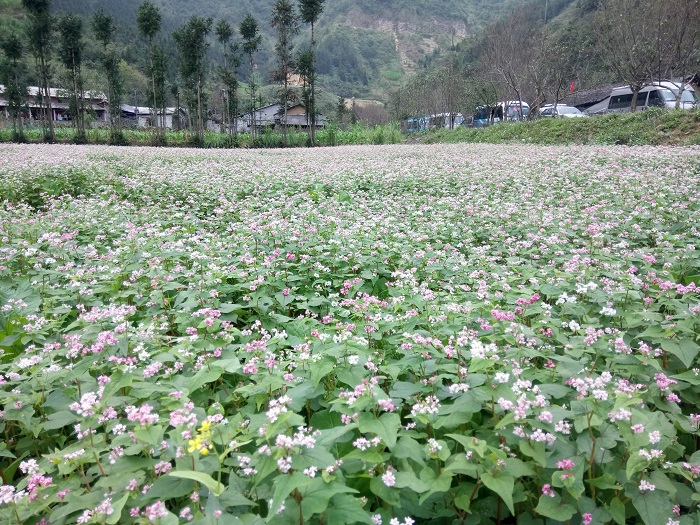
[[658, 94]]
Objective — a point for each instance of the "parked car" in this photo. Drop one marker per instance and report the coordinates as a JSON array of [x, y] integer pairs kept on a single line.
[[560, 111], [659, 94]]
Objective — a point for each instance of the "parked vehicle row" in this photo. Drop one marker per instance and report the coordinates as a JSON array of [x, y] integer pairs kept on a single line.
[[659, 94], [663, 94]]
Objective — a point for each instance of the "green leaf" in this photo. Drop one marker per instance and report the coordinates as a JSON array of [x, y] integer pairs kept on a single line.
[[654, 507], [404, 390], [60, 419], [635, 463], [230, 366], [114, 518], [617, 511], [214, 486], [518, 468], [409, 448], [320, 370], [386, 426], [606, 481], [346, 509], [409, 480], [166, 487], [204, 376], [9, 340], [470, 443], [534, 450], [152, 435], [331, 435], [684, 349], [232, 497], [317, 496], [284, 485], [438, 485], [379, 489], [553, 508], [502, 484]]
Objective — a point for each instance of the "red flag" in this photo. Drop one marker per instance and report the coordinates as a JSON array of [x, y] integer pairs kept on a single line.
[[572, 87]]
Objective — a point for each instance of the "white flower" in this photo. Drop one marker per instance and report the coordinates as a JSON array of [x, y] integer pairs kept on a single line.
[[389, 479], [501, 377], [644, 485], [606, 310]]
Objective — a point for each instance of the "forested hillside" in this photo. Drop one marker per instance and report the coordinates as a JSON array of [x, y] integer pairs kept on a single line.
[[366, 47]]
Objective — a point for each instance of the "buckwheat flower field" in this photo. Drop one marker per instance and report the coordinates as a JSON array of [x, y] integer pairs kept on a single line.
[[385, 335]]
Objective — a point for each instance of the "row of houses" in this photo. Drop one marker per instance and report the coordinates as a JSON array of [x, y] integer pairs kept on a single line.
[[270, 117], [95, 102]]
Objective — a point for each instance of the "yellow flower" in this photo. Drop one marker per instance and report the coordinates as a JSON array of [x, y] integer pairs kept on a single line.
[[194, 444]]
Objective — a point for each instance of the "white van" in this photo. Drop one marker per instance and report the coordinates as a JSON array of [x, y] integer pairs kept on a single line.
[[659, 94]]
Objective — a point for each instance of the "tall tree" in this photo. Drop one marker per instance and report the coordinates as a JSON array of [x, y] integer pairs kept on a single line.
[[305, 67], [310, 12], [251, 41], [71, 30], [192, 44], [227, 75], [103, 26], [40, 32], [148, 19], [159, 60], [285, 21], [14, 76]]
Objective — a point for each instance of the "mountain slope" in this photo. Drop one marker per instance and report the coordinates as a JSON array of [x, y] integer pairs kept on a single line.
[[366, 47]]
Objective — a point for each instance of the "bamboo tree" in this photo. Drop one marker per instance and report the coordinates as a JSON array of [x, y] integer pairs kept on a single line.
[[192, 45], [148, 19], [14, 80], [310, 12], [251, 41], [103, 26], [40, 32], [305, 68], [160, 74], [227, 75], [71, 54], [286, 22]]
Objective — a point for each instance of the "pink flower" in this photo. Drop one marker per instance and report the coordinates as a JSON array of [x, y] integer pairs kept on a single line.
[[565, 464]]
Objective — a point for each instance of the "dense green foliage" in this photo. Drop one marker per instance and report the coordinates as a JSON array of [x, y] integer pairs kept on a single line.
[[434, 335]]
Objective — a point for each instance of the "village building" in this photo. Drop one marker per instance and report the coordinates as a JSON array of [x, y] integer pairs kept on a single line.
[[96, 104], [144, 117], [272, 117]]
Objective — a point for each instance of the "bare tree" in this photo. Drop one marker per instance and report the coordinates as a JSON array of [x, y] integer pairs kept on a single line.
[[508, 55], [678, 42], [625, 32]]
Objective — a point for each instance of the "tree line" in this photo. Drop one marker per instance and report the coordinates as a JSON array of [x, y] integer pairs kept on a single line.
[[523, 57], [192, 40]]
